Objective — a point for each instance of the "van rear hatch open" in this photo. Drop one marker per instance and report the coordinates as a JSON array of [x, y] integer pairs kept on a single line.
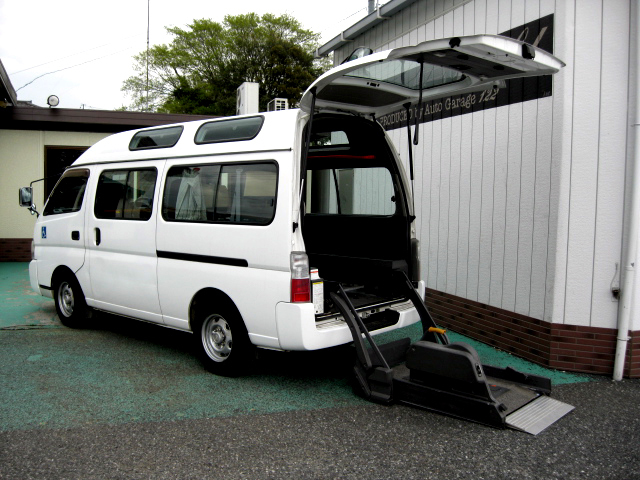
[[357, 228], [383, 82], [358, 211]]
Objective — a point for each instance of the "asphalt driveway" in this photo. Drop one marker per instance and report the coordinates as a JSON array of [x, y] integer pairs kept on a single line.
[[124, 399]]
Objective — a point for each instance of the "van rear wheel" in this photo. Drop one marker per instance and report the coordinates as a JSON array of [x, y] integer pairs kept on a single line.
[[222, 342], [71, 306]]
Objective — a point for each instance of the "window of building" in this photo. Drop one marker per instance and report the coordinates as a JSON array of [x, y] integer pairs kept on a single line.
[[68, 193], [233, 193], [126, 194]]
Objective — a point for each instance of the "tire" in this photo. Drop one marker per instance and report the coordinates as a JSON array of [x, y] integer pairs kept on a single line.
[[222, 342], [71, 306]]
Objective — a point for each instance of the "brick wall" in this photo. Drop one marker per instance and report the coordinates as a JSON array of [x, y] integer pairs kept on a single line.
[[565, 347], [15, 249]]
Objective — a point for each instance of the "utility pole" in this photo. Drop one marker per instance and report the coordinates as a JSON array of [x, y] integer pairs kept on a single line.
[[148, 15]]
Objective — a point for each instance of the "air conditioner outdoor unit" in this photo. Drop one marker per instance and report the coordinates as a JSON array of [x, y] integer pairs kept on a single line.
[[247, 98], [278, 104]]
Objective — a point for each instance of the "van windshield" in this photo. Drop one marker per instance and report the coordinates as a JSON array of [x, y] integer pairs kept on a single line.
[[68, 194]]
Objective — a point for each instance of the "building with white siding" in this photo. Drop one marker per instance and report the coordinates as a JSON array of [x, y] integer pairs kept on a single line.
[[524, 196]]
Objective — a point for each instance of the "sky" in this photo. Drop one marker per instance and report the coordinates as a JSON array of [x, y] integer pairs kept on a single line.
[[82, 50]]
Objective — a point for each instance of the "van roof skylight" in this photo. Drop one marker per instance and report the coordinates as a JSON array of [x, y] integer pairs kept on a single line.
[[229, 130], [157, 138]]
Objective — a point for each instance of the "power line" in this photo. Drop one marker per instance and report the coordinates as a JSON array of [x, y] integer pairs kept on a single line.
[[72, 55], [73, 66]]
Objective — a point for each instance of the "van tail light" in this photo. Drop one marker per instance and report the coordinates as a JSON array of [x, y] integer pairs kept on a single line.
[[300, 281]]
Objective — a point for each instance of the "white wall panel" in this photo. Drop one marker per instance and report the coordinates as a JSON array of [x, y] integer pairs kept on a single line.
[[486, 206], [454, 205], [465, 207], [435, 129], [512, 216], [475, 204], [541, 208], [443, 223], [500, 170], [500, 176], [611, 170], [584, 162], [520, 206], [527, 192], [564, 48]]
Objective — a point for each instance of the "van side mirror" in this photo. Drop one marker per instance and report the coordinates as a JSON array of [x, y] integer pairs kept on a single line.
[[25, 196], [25, 199]]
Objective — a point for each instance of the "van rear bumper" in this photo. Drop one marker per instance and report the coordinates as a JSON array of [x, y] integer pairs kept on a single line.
[[298, 330]]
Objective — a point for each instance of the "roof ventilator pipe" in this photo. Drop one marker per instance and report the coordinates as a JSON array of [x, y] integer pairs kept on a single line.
[[630, 254]]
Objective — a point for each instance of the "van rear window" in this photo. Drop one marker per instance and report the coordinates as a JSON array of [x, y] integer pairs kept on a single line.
[[229, 130], [349, 190], [157, 138]]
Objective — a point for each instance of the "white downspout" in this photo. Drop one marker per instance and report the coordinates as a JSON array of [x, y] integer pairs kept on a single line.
[[631, 252]]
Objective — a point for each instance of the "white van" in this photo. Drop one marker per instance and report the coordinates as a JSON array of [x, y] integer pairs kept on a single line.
[[237, 229]]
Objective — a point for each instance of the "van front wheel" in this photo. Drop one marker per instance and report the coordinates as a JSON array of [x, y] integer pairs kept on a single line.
[[71, 306], [223, 344]]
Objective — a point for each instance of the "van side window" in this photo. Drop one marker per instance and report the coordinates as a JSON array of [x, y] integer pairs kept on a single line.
[[232, 193], [68, 194], [125, 194]]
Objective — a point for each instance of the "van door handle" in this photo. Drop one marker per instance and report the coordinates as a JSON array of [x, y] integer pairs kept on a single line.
[[98, 239], [75, 235]]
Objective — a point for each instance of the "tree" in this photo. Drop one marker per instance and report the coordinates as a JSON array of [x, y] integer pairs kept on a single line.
[[200, 70]]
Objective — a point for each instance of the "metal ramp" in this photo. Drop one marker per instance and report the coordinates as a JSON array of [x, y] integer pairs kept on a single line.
[[444, 377], [537, 415]]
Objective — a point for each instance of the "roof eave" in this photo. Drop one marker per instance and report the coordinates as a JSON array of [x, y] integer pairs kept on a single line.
[[378, 16], [7, 93]]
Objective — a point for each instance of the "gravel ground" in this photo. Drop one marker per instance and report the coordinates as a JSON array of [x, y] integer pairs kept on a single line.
[[600, 439]]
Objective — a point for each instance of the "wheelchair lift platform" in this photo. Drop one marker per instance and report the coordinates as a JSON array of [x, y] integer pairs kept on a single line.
[[444, 377]]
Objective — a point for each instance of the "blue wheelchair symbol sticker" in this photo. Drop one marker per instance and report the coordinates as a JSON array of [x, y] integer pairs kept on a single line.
[[44, 232]]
